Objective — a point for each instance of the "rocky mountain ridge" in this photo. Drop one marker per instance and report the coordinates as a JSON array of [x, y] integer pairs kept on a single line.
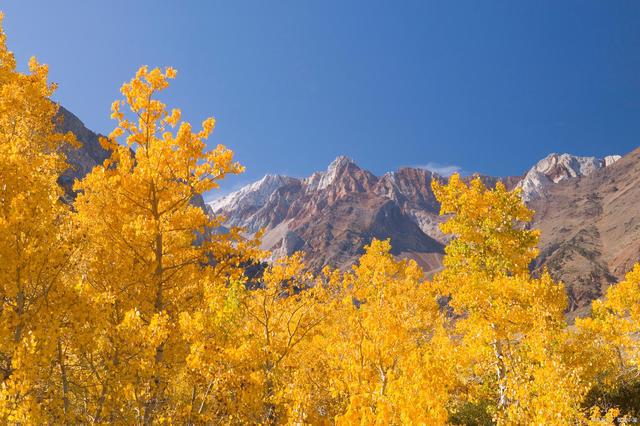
[[330, 215], [555, 168], [590, 229], [252, 206]]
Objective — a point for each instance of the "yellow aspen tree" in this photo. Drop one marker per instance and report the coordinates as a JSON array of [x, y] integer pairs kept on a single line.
[[149, 253], [311, 400], [391, 357], [612, 332], [512, 326], [260, 356], [35, 252], [285, 316], [219, 386]]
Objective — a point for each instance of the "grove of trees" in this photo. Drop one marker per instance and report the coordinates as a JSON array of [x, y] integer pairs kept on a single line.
[[128, 306]]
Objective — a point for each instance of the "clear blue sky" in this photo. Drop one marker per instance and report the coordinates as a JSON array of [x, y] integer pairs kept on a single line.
[[489, 86]]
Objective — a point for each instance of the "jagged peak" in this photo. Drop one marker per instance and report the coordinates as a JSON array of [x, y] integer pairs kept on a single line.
[[390, 176], [321, 180], [255, 194], [610, 159], [561, 166], [557, 167], [340, 160], [272, 178]]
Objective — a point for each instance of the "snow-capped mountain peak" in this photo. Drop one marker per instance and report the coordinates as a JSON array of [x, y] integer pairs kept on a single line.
[[558, 167], [320, 180], [254, 195]]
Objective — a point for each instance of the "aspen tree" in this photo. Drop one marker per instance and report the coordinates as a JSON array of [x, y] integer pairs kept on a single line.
[[512, 325], [35, 250], [391, 357], [612, 349], [149, 252]]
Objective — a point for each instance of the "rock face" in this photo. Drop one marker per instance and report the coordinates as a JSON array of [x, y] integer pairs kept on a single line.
[[555, 168], [248, 200], [590, 228], [87, 156], [332, 214]]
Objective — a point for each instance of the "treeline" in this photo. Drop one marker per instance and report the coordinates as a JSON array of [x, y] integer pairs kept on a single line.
[[127, 307]]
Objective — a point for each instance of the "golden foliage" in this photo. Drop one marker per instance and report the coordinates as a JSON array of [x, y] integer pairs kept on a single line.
[[511, 325], [133, 308], [390, 352], [35, 242], [146, 255]]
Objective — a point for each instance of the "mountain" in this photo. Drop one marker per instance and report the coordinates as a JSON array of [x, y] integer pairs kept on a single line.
[[590, 228], [247, 202], [84, 158], [331, 214], [556, 168]]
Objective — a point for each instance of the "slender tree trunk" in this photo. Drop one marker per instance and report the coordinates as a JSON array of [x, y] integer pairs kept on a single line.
[[501, 371], [64, 380], [97, 417], [158, 276], [383, 379], [158, 279], [269, 407], [204, 398], [17, 333]]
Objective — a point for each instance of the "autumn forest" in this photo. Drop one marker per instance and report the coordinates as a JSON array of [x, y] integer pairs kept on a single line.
[[124, 302]]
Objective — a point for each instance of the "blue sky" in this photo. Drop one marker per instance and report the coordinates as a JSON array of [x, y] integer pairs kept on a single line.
[[488, 86]]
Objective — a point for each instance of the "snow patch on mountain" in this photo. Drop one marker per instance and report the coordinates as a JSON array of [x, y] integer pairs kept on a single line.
[[252, 196], [320, 180], [610, 159], [555, 168], [256, 194]]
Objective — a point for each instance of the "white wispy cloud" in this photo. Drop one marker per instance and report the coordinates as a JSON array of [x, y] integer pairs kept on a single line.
[[445, 170]]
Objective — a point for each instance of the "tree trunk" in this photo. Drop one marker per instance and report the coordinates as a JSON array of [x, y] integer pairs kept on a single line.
[[64, 380], [269, 407], [158, 278], [501, 371]]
